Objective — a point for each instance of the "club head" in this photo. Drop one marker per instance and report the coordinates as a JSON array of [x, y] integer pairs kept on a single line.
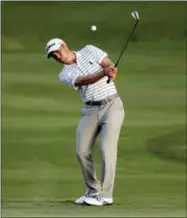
[[135, 15]]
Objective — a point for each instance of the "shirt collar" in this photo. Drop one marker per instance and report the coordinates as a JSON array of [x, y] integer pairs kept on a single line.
[[77, 54]]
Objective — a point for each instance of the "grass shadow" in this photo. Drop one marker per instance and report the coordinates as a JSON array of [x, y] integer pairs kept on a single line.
[[170, 146]]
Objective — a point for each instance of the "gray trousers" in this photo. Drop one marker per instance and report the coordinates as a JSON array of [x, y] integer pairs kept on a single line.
[[106, 120]]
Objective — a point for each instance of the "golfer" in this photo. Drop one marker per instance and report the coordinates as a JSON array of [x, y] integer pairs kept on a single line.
[[87, 71]]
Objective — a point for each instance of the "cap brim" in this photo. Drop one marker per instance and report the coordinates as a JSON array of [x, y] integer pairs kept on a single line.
[[52, 49], [49, 55]]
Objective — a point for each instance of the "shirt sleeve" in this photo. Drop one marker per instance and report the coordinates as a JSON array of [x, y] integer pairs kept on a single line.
[[68, 77], [98, 54]]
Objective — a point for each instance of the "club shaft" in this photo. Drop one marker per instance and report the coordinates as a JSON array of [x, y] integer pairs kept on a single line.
[[125, 46]]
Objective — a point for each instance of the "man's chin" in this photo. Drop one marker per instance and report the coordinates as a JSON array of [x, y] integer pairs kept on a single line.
[[65, 62], [61, 62]]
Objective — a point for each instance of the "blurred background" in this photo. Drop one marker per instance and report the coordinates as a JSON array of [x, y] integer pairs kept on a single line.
[[40, 172]]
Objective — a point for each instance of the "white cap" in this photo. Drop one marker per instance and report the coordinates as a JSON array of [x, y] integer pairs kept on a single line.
[[53, 45]]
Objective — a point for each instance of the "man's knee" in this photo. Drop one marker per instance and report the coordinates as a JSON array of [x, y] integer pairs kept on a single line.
[[83, 154]]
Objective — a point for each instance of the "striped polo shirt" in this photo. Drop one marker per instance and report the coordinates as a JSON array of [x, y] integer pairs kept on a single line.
[[88, 61]]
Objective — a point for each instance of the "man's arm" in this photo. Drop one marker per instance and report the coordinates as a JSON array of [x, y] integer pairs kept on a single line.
[[108, 70], [106, 62], [89, 79]]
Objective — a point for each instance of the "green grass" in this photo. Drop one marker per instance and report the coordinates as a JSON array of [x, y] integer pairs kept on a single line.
[[40, 173]]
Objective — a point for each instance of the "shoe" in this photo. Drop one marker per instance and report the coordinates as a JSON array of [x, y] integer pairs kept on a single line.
[[97, 200], [81, 199]]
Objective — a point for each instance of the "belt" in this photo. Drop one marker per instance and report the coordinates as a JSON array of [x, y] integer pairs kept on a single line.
[[102, 102]]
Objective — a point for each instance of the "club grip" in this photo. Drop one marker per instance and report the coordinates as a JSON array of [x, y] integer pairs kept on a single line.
[[108, 81]]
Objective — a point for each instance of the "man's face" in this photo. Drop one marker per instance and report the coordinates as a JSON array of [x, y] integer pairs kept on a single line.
[[62, 55]]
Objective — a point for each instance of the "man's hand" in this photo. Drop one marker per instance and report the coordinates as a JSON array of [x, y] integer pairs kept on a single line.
[[111, 72]]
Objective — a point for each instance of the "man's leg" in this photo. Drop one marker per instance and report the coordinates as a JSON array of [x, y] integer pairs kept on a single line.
[[110, 131], [86, 134]]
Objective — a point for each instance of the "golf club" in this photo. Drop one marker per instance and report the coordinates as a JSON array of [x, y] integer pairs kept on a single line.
[[135, 15]]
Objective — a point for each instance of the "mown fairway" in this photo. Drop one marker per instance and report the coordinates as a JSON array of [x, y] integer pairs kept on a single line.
[[40, 173]]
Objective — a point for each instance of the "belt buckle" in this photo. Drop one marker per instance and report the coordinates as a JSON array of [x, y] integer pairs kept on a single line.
[[107, 100]]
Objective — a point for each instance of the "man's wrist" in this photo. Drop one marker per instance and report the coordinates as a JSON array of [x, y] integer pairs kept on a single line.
[[101, 74], [104, 72]]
